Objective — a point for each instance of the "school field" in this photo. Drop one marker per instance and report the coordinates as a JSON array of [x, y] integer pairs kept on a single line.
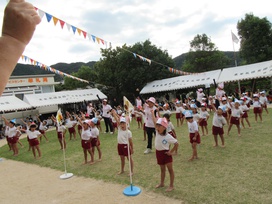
[[238, 173]]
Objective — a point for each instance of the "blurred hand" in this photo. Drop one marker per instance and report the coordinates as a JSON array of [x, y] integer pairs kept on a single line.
[[20, 20]]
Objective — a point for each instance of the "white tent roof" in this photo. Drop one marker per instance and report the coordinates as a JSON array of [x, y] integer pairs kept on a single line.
[[181, 82], [63, 97], [251, 71], [12, 103]]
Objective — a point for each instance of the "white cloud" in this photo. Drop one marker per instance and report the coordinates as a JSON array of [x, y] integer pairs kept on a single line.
[[168, 24]]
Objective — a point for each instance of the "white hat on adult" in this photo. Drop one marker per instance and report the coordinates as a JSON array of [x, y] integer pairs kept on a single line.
[[152, 100]]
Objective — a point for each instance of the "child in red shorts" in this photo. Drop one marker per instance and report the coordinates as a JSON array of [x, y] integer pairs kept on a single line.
[[61, 130], [245, 110], [257, 107], [163, 152], [42, 128], [203, 120], [124, 138], [86, 139], [70, 124], [33, 136], [179, 110], [13, 135], [193, 133], [218, 122], [95, 142], [170, 128], [236, 114]]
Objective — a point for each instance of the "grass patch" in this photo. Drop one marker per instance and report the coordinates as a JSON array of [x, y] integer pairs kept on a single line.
[[238, 173]]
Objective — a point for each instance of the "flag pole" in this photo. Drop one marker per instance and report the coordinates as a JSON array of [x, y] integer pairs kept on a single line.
[[235, 61], [65, 175], [130, 190]]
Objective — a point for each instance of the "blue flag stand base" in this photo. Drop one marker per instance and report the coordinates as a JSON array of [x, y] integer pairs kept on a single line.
[[132, 190]]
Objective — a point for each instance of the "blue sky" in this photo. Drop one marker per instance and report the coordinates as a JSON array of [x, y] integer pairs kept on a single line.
[[169, 25]]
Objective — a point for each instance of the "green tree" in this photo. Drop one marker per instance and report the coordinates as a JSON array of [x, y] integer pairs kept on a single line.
[[122, 73], [255, 39], [85, 73], [204, 56]]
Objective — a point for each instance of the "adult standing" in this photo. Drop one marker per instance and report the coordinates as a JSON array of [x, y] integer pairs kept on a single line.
[[219, 94], [138, 102], [90, 110], [106, 108], [149, 108], [199, 96]]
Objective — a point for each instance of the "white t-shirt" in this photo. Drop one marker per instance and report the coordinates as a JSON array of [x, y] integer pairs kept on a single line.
[[248, 99], [192, 127], [61, 128], [70, 123], [167, 112], [203, 114], [149, 118], [162, 142], [199, 96], [257, 104], [90, 110], [219, 93], [32, 135], [244, 108], [263, 99], [179, 109], [86, 134], [141, 114], [236, 112], [218, 121], [138, 102], [106, 110], [6, 130], [95, 132], [12, 132], [123, 136], [119, 111], [42, 127], [170, 127], [196, 117]]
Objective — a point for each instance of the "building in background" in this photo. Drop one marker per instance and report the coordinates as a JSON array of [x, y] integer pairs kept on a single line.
[[29, 84]]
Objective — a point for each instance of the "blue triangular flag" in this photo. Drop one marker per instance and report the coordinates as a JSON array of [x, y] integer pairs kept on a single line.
[[48, 17], [93, 37], [74, 29]]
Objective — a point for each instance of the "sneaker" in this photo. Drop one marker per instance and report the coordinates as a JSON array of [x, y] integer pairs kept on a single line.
[[111, 133], [105, 132], [147, 151]]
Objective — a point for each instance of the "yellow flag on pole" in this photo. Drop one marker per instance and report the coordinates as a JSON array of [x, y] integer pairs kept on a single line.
[[59, 117], [128, 107]]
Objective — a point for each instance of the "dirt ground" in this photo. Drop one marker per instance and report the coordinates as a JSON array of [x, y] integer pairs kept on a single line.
[[26, 183]]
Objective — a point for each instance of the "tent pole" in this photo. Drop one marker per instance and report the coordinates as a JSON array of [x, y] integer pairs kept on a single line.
[[239, 88]]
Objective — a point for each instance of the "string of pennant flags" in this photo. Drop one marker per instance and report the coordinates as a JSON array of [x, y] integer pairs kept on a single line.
[[97, 40], [175, 71], [70, 27], [50, 69]]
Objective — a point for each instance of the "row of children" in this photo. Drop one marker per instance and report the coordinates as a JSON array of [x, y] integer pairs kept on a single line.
[[87, 129]]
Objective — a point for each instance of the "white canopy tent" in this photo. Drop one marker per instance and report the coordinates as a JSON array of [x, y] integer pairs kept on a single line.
[[239, 73], [251, 71], [63, 97], [181, 82], [12, 103]]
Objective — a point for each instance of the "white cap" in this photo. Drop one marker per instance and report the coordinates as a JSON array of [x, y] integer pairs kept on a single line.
[[123, 120]]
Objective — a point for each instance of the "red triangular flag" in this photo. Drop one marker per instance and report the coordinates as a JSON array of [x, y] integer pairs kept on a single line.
[[61, 23], [84, 33]]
